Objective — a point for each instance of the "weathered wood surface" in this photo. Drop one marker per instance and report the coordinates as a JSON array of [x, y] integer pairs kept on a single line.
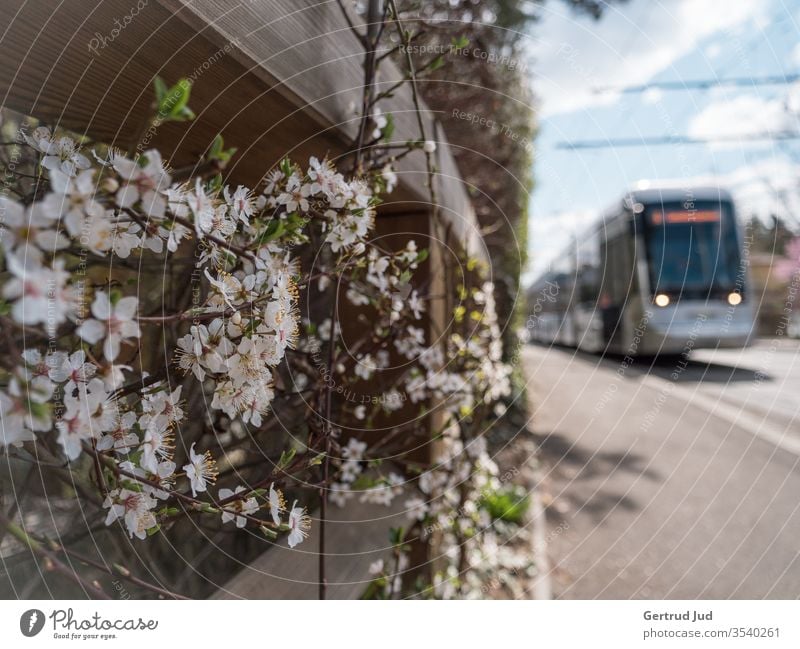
[[276, 77]]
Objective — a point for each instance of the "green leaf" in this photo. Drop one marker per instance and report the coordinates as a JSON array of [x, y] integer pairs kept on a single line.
[[363, 482], [274, 229], [396, 535], [38, 410], [437, 63], [315, 461], [215, 184], [286, 458], [375, 590], [388, 130], [160, 89], [172, 104], [269, 532], [218, 150], [422, 255], [509, 504], [459, 42], [130, 485]]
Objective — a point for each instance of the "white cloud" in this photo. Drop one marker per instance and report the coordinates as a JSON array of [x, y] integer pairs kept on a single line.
[[770, 186], [795, 56], [713, 50], [652, 96], [745, 114], [629, 45]]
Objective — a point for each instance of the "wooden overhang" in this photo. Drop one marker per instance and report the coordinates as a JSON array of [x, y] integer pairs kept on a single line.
[[275, 77]]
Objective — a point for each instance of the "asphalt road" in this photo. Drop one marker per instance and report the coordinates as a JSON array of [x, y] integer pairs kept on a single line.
[[669, 480]]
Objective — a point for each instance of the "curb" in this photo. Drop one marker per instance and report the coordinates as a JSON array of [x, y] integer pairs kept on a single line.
[[542, 585]]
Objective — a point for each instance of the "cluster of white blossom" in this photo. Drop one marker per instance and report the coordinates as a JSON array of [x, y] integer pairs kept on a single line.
[[233, 338], [69, 393], [461, 379], [470, 372], [240, 332]]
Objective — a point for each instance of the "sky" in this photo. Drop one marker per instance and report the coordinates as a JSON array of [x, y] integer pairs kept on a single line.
[[576, 60]]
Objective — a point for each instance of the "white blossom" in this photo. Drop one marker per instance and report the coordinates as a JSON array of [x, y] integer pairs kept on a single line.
[[299, 524], [144, 181], [240, 203], [232, 511], [40, 294], [113, 323], [389, 178], [201, 470], [59, 153], [121, 438], [23, 410], [277, 504], [134, 508]]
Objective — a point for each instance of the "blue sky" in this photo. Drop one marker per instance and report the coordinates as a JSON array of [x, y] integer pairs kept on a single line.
[[661, 40]]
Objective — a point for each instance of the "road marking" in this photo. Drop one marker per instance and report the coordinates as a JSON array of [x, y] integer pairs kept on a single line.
[[722, 410]]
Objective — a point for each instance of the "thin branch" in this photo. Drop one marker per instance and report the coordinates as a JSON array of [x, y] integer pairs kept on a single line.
[[51, 561], [122, 573]]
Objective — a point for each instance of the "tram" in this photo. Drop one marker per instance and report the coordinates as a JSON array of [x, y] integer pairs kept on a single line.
[[663, 271]]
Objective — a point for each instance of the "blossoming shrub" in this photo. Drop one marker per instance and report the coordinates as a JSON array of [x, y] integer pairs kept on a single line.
[[152, 326]]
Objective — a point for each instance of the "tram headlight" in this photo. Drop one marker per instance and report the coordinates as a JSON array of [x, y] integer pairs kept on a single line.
[[661, 299], [734, 298]]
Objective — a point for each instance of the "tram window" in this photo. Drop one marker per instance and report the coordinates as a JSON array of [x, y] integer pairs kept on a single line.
[[616, 270], [589, 271], [687, 255]]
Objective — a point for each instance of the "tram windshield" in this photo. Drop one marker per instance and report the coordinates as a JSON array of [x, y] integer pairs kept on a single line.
[[692, 252]]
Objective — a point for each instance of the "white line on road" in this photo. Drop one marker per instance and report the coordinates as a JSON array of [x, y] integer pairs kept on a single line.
[[757, 426]]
